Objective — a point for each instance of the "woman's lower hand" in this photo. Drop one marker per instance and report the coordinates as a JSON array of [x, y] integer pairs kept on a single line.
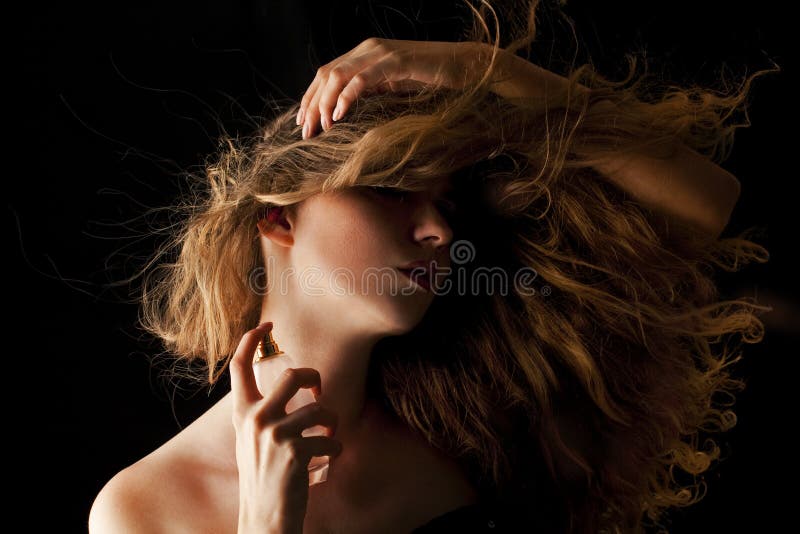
[[379, 65], [271, 454]]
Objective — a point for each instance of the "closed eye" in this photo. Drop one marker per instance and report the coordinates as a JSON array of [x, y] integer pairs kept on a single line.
[[450, 207], [389, 192], [446, 204]]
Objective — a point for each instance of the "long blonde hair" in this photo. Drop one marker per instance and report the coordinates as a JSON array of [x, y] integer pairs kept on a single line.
[[594, 389]]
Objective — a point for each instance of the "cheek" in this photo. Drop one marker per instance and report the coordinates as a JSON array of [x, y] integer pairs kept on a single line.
[[342, 235]]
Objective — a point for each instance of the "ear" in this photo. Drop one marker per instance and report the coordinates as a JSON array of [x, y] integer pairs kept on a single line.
[[276, 224]]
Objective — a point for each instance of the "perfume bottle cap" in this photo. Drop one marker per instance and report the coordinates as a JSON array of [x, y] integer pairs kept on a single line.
[[267, 348]]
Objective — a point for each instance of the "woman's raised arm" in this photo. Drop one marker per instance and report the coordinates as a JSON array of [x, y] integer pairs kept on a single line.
[[687, 186]]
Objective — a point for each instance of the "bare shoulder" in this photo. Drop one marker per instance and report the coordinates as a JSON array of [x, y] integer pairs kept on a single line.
[[183, 486], [163, 492], [129, 502]]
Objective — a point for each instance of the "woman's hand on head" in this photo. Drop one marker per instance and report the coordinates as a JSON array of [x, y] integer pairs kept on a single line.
[[380, 65], [272, 455]]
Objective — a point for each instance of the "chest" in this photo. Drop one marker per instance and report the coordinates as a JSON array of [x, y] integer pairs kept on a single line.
[[388, 483], [385, 490], [387, 479]]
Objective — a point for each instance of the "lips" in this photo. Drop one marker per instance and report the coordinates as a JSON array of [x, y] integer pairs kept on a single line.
[[419, 275], [419, 271], [417, 263]]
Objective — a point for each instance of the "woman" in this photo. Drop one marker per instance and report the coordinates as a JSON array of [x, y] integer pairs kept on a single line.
[[564, 400]]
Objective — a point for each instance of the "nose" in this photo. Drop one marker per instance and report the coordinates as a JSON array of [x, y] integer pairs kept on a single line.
[[430, 226]]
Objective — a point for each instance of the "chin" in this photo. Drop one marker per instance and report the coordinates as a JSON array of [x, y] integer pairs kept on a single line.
[[403, 319], [398, 312]]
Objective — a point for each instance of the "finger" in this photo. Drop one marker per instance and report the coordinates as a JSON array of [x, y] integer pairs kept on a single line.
[[308, 95], [243, 380], [305, 417], [310, 103], [367, 51], [317, 446], [311, 117], [339, 73], [290, 381], [334, 71], [339, 77], [387, 73]]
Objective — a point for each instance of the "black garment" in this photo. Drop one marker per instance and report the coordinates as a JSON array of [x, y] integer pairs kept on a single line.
[[469, 518], [488, 517]]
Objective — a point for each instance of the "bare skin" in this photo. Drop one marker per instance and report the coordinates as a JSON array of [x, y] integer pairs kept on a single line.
[[686, 185], [386, 480]]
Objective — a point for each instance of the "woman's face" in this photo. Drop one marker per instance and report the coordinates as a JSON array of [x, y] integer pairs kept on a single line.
[[353, 245]]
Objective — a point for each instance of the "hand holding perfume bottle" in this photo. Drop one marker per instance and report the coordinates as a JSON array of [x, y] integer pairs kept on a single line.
[[271, 453], [269, 363]]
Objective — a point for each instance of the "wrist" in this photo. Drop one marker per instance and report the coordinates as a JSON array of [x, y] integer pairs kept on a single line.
[[251, 522], [516, 77]]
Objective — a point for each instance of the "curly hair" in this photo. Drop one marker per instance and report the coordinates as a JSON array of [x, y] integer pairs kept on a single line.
[[592, 391]]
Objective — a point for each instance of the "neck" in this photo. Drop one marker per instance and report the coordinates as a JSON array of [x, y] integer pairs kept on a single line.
[[341, 356], [343, 392], [335, 338]]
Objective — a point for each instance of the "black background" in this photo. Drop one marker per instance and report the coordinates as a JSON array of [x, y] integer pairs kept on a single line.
[[114, 100]]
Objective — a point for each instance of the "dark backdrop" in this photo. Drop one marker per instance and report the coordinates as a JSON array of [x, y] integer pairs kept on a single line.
[[115, 100]]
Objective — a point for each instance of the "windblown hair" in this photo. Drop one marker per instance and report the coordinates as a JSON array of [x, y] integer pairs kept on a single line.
[[591, 385]]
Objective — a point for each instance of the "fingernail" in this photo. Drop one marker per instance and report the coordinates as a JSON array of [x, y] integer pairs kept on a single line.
[[264, 325], [305, 130], [336, 113], [326, 123], [300, 115]]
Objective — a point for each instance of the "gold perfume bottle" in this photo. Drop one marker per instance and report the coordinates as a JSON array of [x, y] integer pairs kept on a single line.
[[269, 362]]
